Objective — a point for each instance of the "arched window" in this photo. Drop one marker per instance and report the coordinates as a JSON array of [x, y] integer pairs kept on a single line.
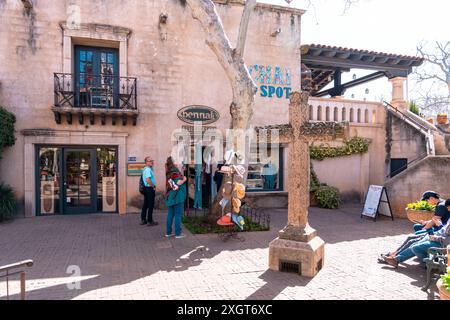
[[344, 114], [335, 115], [358, 115], [352, 115], [374, 116], [366, 116], [327, 114], [319, 113]]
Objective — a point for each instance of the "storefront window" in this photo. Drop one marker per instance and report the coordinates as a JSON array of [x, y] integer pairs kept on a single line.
[[106, 179], [265, 169], [49, 180]]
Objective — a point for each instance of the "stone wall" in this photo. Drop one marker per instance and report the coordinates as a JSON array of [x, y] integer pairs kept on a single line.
[[406, 141], [173, 65], [431, 173], [349, 174]]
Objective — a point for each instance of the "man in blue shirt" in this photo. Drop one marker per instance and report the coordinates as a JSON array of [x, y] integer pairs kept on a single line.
[[149, 193]]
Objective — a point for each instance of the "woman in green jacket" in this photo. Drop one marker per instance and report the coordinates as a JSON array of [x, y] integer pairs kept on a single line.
[[175, 198]]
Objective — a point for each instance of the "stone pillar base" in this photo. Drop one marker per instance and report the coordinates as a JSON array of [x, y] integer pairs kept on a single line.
[[308, 256]]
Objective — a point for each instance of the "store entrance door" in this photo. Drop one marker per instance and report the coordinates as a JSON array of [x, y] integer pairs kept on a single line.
[[79, 185]]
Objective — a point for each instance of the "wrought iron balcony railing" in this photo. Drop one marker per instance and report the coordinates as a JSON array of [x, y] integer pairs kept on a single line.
[[95, 91]]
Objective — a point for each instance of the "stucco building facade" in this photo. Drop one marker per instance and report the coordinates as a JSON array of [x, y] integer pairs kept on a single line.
[[98, 85]]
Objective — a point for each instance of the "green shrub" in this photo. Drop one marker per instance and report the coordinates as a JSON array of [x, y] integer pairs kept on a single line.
[[414, 108], [200, 225], [421, 205], [7, 202], [328, 197], [446, 279], [7, 120], [353, 146]]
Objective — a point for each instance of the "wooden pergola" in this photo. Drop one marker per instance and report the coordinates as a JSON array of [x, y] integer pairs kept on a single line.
[[327, 64]]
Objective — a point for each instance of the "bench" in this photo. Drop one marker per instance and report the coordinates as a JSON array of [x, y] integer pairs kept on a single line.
[[436, 263]]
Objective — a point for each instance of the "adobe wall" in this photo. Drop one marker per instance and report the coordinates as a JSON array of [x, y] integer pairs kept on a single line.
[[173, 65], [432, 173]]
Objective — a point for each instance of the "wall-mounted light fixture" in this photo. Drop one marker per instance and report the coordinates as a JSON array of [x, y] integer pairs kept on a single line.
[[276, 32], [163, 18]]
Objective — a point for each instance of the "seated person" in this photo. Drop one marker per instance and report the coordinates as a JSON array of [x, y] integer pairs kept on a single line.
[[405, 245], [420, 245], [441, 214]]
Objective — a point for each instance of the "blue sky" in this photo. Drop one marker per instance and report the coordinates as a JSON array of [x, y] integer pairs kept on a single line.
[[391, 26]]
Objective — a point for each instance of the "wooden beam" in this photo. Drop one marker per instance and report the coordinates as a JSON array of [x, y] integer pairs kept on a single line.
[[345, 86], [69, 117], [57, 117], [80, 118], [358, 64], [27, 4]]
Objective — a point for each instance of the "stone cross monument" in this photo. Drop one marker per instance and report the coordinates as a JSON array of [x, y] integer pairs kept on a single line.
[[298, 245]]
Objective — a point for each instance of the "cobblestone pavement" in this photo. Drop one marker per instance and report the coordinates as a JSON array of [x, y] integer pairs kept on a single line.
[[120, 259]]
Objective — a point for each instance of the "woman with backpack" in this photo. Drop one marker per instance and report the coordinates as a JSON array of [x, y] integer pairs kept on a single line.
[[175, 197]]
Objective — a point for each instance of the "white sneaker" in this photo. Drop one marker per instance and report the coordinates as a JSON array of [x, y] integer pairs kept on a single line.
[[168, 235], [180, 236]]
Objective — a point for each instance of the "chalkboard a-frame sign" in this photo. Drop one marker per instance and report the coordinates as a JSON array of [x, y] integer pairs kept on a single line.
[[377, 202]]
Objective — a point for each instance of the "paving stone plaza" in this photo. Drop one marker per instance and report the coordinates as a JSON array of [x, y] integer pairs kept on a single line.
[[119, 259]]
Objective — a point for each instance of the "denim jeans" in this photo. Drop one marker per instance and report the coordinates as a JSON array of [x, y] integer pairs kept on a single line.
[[409, 242], [149, 203], [175, 213], [419, 249]]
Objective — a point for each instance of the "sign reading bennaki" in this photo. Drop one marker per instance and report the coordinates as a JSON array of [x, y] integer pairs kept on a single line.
[[203, 114]]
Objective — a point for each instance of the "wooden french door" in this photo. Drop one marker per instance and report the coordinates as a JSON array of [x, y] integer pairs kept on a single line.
[[96, 77]]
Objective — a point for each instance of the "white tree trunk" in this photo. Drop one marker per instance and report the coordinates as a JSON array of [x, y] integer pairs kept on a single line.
[[230, 59], [232, 62]]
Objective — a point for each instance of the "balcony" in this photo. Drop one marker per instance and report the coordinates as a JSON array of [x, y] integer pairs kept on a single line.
[[95, 96]]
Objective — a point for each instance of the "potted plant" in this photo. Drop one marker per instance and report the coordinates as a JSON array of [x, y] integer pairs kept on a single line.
[[443, 285], [441, 118], [420, 210]]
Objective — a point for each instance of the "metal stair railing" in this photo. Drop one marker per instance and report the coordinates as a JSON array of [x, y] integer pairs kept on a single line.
[[11, 267], [417, 125]]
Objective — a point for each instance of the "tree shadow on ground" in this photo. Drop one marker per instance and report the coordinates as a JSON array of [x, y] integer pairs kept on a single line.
[[417, 273], [277, 282], [113, 250]]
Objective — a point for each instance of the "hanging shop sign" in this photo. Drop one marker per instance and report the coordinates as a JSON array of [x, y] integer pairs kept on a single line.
[[196, 113]]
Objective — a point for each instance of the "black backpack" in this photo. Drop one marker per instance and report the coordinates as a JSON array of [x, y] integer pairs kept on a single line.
[[141, 185]]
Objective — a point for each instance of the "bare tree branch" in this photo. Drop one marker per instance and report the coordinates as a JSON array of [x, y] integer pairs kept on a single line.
[[431, 76], [243, 27]]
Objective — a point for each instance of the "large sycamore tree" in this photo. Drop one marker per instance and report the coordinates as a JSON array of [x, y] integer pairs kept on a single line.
[[232, 61]]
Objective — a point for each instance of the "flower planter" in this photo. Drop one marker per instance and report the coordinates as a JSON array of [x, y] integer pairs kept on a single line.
[[416, 215], [444, 294], [441, 119]]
